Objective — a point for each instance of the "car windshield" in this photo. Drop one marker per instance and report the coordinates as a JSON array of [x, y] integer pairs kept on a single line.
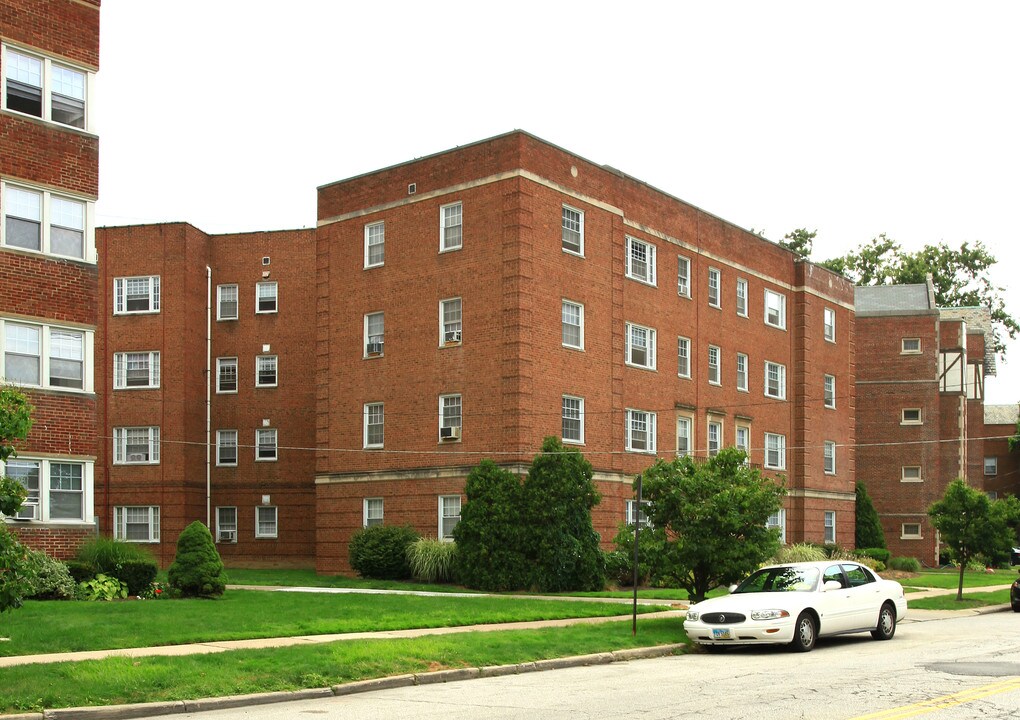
[[780, 579]]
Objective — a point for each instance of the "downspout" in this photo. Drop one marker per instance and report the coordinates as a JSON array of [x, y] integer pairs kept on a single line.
[[208, 395]]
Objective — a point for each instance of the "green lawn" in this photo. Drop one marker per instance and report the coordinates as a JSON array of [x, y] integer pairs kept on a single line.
[[970, 600], [950, 579], [61, 626], [133, 680]]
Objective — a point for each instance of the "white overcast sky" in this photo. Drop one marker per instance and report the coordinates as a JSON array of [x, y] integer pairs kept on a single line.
[[851, 118]]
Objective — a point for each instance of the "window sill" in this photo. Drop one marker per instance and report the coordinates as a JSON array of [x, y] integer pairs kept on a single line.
[[639, 367], [28, 252], [572, 347], [135, 312], [643, 281], [264, 387], [373, 356], [219, 319], [573, 442], [574, 253], [49, 123], [912, 480], [226, 465], [443, 250], [267, 312], [376, 265], [777, 327], [265, 460]]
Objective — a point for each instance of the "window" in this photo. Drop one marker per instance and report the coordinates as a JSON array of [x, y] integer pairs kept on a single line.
[[46, 356], [44, 88], [911, 416], [778, 520], [41, 221], [991, 466], [26, 472], [67, 360], [450, 322], [136, 295], [136, 524], [640, 346], [226, 524], [136, 445], [743, 441], [451, 229], [450, 417], [640, 261], [775, 451], [135, 370], [634, 514], [640, 431], [265, 371], [830, 391], [265, 298], [226, 302], [23, 354], [829, 457], [741, 297], [374, 425], [683, 276], [226, 375], [375, 331], [742, 372], [714, 289], [67, 491], [67, 495], [683, 357], [910, 346], [714, 376], [830, 526], [775, 309], [226, 447], [775, 380], [573, 325], [684, 441], [266, 525], [372, 512], [910, 531], [714, 438], [449, 515], [910, 473], [265, 445], [829, 320], [573, 231], [375, 244], [573, 419]]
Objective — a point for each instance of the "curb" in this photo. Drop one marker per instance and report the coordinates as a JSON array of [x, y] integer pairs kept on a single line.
[[175, 707]]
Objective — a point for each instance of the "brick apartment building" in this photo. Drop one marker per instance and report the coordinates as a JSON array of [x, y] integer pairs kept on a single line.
[[920, 407], [1000, 466], [49, 166]]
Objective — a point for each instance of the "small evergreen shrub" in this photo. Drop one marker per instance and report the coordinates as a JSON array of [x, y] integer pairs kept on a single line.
[[876, 553], [380, 552], [52, 580], [654, 562], [432, 560], [905, 564], [81, 570], [801, 552], [137, 574], [197, 570]]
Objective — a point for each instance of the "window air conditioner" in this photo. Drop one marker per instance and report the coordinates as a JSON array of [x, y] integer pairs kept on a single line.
[[136, 457], [451, 336], [449, 433], [28, 511], [228, 536], [374, 348]]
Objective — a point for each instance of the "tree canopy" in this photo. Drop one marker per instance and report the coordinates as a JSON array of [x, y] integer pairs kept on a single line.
[[15, 422]]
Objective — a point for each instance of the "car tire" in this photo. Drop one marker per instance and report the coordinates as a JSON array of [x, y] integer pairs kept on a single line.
[[805, 632], [1016, 607], [886, 627]]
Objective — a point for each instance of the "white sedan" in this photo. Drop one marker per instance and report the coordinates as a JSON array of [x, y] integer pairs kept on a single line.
[[796, 604]]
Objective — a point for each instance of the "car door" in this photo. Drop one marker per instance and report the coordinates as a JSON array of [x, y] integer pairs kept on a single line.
[[833, 605], [864, 597]]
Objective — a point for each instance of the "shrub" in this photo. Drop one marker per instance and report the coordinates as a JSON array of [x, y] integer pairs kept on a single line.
[[868, 527], [877, 553], [905, 564], [381, 551], [52, 580], [106, 554], [432, 560], [197, 570], [80, 570], [137, 574], [801, 552], [876, 565], [653, 558], [102, 587], [16, 572]]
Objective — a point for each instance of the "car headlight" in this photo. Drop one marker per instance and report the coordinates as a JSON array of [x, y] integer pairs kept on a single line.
[[693, 615], [768, 614]]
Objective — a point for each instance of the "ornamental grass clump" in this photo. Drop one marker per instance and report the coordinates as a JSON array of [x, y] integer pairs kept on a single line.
[[432, 560], [197, 570], [801, 552]]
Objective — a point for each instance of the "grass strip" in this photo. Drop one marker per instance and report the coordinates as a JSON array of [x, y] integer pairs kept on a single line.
[[950, 579], [970, 600], [63, 626], [115, 681]]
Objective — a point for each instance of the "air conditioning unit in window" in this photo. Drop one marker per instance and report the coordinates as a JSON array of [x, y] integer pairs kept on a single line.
[[136, 457], [374, 348], [451, 336], [449, 433], [227, 536], [28, 511]]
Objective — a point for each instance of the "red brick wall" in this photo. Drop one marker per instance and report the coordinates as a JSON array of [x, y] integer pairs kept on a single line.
[[63, 28], [57, 541]]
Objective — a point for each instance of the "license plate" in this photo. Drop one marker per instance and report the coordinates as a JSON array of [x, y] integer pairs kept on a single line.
[[721, 634]]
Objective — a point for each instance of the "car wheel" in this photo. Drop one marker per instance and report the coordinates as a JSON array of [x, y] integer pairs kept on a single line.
[[805, 633], [1016, 607], [886, 627]]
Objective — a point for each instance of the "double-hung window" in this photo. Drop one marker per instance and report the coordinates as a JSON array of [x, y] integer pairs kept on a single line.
[[636, 514], [41, 221], [714, 361], [372, 512], [640, 261], [449, 515], [829, 457], [375, 244], [226, 447], [573, 419], [44, 88], [265, 371], [266, 298], [226, 302], [573, 230], [830, 526], [715, 431], [136, 445], [683, 276], [226, 375], [775, 380], [743, 441], [991, 465], [451, 227], [829, 324], [266, 521], [829, 392], [226, 524], [684, 440], [374, 425], [775, 309], [683, 357], [775, 451], [777, 520], [136, 523], [714, 287], [742, 372], [67, 359], [135, 370], [375, 335], [741, 297], [57, 491], [640, 346], [572, 314], [451, 316], [641, 431], [450, 417], [46, 356], [265, 445], [136, 295]]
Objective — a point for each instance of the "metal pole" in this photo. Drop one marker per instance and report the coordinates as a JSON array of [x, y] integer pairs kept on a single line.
[[637, 536]]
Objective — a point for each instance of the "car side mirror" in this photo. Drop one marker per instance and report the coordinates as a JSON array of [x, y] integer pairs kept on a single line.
[[832, 585], [732, 588]]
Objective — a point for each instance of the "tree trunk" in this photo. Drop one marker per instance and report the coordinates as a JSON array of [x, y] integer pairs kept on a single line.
[[959, 590]]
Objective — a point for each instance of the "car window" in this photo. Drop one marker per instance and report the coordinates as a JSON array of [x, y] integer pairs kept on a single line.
[[858, 575], [780, 579], [833, 572]]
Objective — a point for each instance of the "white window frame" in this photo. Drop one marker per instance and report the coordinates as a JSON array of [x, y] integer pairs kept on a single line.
[[905, 421], [780, 380], [220, 291], [683, 357], [994, 466], [778, 520], [373, 338], [272, 510], [684, 430], [565, 229], [49, 219], [453, 421], [649, 276], [650, 349], [268, 432], [829, 324], [373, 511], [221, 364], [120, 444], [267, 360], [775, 301], [714, 287], [742, 363], [904, 350], [445, 246], [259, 297], [829, 528], [829, 391], [743, 443], [910, 477], [683, 276], [48, 87], [575, 413], [564, 324], [829, 457], [224, 525], [121, 368], [632, 515], [775, 444], [714, 365], [47, 346], [904, 535], [713, 438], [38, 506], [374, 410], [120, 523], [450, 336], [444, 500], [220, 436], [120, 295], [648, 418], [372, 239], [741, 297]]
